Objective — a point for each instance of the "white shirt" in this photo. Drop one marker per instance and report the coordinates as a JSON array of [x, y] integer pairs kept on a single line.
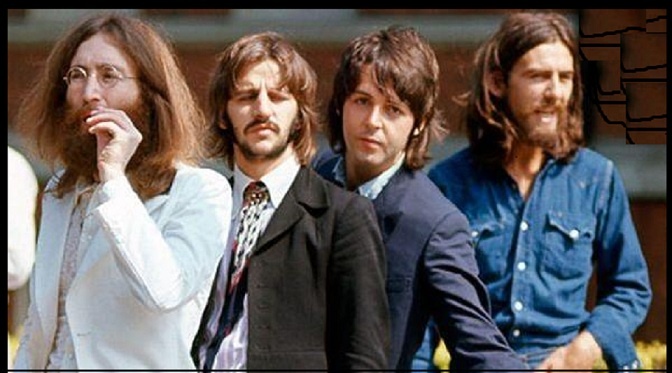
[[232, 352]]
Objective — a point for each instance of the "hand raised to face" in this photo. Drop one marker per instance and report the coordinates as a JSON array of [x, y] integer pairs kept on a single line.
[[117, 139]]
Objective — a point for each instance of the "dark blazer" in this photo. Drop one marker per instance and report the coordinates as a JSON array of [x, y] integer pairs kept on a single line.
[[432, 271], [316, 287]]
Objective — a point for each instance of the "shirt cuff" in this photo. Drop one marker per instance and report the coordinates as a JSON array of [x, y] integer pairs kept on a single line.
[[112, 189], [618, 348]]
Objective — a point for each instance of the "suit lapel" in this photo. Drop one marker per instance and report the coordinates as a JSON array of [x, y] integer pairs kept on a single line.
[[56, 219], [389, 203], [307, 191], [396, 187]]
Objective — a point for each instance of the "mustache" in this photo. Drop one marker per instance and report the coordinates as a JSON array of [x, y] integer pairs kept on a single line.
[[261, 122], [81, 113], [552, 103], [75, 119]]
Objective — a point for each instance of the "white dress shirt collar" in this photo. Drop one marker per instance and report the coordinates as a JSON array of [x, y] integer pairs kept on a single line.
[[277, 181]]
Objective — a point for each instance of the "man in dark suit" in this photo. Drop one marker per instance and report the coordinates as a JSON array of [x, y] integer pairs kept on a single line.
[[381, 113], [310, 294]]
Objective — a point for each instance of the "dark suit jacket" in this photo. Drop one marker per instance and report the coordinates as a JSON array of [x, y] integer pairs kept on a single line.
[[316, 287], [432, 270]]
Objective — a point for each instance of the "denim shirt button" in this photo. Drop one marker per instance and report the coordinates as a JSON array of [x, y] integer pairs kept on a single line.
[[474, 234], [521, 266], [574, 234], [517, 305], [524, 226], [516, 332]]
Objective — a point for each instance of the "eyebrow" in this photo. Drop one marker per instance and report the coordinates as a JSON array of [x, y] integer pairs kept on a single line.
[[249, 86], [100, 64], [546, 69], [360, 92], [104, 65], [388, 98]]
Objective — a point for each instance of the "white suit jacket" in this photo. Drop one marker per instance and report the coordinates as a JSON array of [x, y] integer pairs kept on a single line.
[[143, 278]]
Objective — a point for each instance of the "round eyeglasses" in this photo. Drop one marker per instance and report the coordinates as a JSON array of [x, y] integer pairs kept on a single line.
[[108, 76]]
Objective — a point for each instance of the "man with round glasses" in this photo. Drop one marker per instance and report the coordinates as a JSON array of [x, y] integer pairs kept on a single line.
[[131, 229]]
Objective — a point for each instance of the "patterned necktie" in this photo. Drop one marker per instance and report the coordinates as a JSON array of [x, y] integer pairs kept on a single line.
[[255, 199]]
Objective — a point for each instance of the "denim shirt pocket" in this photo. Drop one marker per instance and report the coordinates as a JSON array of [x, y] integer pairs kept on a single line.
[[568, 241], [490, 247]]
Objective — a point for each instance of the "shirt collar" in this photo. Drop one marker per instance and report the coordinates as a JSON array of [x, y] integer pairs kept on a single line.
[[278, 181], [372, 188]]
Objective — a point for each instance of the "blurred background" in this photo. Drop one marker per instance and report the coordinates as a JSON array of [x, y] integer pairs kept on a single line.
[[321, 34]]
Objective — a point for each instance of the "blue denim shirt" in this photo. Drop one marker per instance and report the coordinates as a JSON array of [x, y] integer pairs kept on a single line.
[[537, 256]]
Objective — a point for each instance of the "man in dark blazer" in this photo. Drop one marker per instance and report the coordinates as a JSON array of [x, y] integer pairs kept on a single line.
[[381, 113], [314, 283]]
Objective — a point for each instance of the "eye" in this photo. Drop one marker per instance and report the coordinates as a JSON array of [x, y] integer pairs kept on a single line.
[[395, 110], [243, 95], [278, 96], [567, 77], [76, 75], [109, 75], [360, 100]]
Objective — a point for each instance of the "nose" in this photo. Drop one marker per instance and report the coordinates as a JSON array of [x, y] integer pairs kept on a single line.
[[375, 117], [263, 105], [553, 88], [92, 90]]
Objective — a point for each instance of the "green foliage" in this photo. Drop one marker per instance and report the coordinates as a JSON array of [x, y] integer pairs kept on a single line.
[[653, 356]]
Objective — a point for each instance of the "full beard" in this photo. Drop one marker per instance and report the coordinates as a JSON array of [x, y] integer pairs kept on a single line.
[[544, 138], [80, 154]]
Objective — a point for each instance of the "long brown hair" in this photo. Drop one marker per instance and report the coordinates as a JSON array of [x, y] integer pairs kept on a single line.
[[400, 57], [296, 74], [490, 128], [175, 124]]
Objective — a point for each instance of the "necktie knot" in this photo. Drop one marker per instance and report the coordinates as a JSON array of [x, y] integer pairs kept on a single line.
[[256, 192]]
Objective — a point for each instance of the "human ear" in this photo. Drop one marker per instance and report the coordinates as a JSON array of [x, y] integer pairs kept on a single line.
[[496, 83], [223, 120], [418, 129]]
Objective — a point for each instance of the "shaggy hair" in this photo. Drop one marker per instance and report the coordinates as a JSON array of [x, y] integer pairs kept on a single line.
[[175, 121], [403, 61], [296, 74], [490, 128]]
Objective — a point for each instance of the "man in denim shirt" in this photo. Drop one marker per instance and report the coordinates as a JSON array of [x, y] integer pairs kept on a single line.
[[546, 211]]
